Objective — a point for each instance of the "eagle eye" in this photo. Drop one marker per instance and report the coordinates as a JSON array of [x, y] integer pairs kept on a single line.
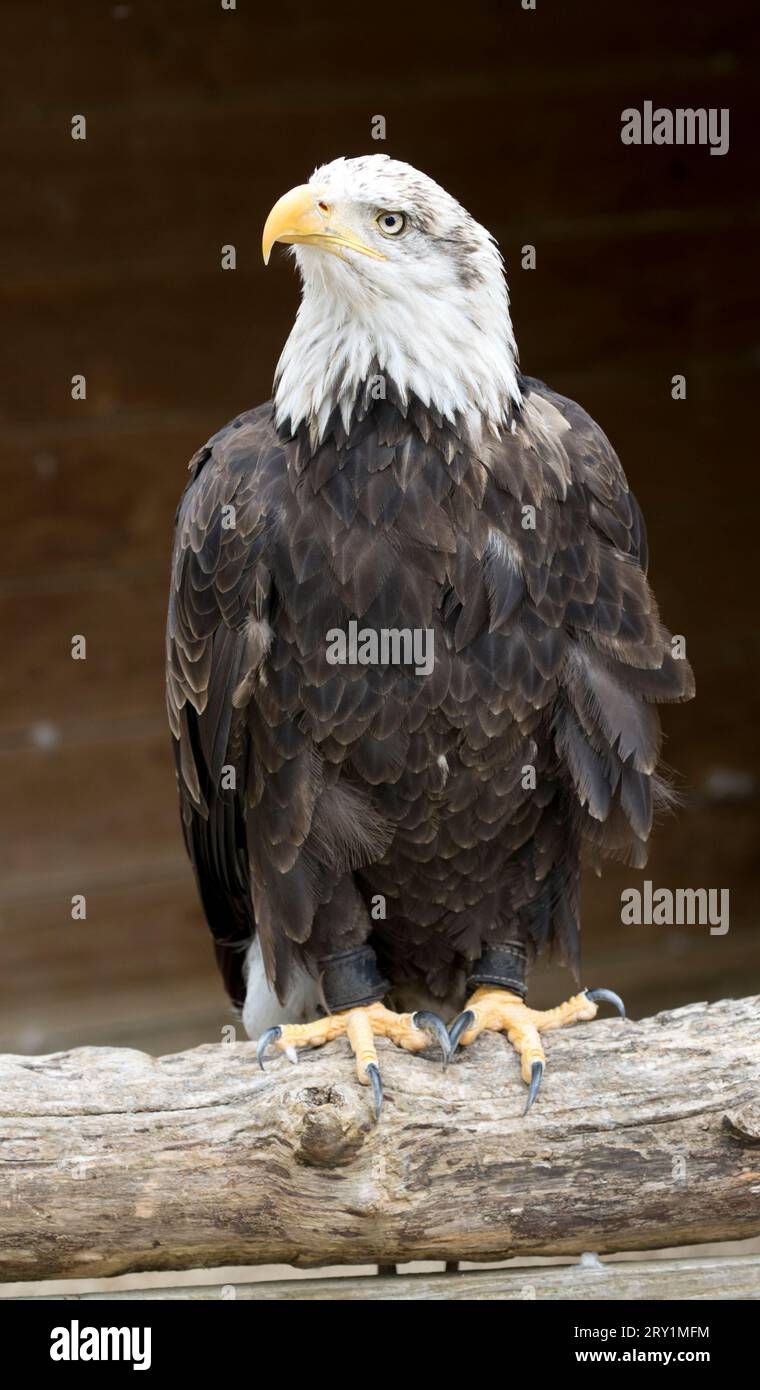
[[391, 223]]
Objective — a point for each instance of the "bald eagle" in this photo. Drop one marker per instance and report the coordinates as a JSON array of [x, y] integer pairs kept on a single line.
[[369, 830]]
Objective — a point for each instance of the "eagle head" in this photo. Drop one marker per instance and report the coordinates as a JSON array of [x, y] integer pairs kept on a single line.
[[397, 280]]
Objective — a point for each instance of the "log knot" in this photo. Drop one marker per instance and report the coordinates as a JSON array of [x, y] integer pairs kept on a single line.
[[328, 1130], [744, 1123]]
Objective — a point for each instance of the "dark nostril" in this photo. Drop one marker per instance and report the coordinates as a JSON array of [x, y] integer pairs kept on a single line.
[[323, 207]]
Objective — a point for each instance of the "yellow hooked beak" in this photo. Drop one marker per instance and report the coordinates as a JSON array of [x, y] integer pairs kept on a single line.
[[301, 216]]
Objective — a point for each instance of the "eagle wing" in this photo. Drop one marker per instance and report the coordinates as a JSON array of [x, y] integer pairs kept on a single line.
[[216, 635], [268, 828], [583, 567]]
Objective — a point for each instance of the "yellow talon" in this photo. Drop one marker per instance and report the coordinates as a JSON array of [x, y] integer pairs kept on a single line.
[[500, 1011], [361, 1026]]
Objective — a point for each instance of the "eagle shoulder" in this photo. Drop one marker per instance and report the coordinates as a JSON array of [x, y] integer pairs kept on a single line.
[[592, 463]]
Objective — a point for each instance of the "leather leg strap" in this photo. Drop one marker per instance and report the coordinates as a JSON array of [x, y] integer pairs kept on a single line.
[[504, 966], [351, 979]]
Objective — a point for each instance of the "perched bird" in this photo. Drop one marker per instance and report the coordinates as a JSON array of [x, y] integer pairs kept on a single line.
[[412, 656]]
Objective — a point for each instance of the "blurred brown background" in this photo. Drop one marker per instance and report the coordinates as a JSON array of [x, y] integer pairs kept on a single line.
[[197, 120]]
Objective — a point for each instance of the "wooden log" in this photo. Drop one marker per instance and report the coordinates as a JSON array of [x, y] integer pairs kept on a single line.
[[719, 1278], [645, 1135]]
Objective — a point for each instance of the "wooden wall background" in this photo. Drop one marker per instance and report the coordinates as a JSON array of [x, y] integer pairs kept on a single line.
[[197, 120]]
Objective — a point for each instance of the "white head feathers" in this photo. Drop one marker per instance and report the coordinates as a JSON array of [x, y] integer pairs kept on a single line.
[[432, 315]]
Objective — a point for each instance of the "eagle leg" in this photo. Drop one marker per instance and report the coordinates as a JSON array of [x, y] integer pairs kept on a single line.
[[498, 1010], [361, 1026]]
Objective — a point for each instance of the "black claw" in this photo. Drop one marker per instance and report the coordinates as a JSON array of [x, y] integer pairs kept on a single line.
[[373, 1072], [536, 1072], [435, 1026], [458, 1027], [609, 995], [264, 1041]]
